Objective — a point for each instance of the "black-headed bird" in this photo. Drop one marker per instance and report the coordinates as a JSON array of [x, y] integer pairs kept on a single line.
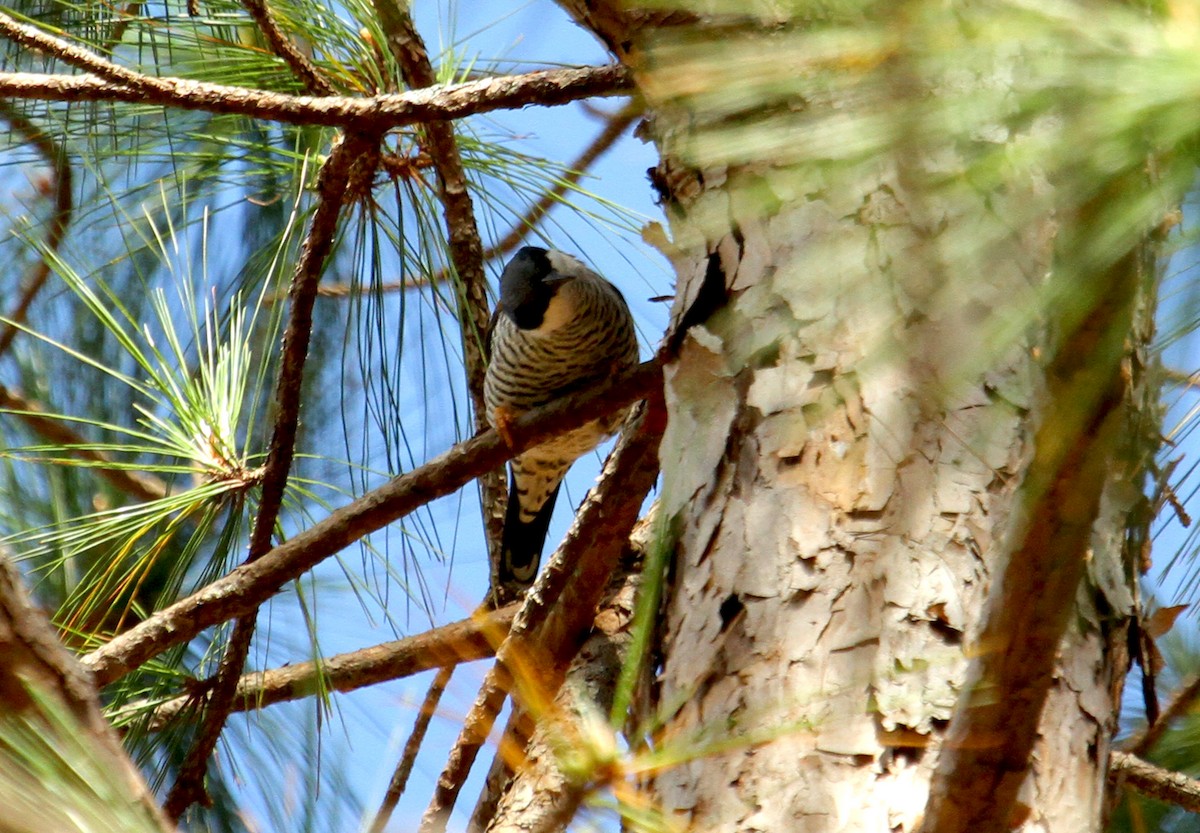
[[558, 328]]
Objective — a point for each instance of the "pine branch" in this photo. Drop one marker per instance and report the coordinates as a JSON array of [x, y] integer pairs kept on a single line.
[[249, 585], [545, 88], [1125, 770], [463, 641], [352, 162]]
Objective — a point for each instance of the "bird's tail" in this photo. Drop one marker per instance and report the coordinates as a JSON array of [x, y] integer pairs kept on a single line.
[[520, 547]]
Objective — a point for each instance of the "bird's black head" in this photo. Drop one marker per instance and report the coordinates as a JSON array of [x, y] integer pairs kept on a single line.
[[527, 285]]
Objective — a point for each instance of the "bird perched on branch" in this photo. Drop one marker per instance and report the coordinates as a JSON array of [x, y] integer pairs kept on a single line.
[[558, 328]]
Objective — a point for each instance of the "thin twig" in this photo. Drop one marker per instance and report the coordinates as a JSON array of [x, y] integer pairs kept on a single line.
[[560, 606], [1155, 782], [1183, 700], [544, 88], [56, 157], [458, 642], [615, 125], [408, 758], [349, 163], [136, 484], [1181, 378], [249, 585], [282, 45]]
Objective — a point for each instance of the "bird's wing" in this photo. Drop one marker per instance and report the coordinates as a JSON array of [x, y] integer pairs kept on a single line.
[[487, 337]]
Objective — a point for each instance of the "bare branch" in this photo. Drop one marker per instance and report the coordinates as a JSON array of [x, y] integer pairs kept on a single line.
[[462, 641], [560, 607], [546, 88], [247, 586], [1157, 783], [283, 46]]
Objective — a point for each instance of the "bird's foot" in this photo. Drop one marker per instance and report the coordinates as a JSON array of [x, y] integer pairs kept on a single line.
[[503, 418]]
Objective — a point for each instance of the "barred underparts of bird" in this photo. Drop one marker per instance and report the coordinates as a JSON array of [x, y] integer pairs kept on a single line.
[[558, 328]]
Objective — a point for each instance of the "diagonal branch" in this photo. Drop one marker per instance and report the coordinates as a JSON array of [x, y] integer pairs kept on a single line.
[[247, 586], [545, 88], [282, 45], [136, 484], [353, 158], [561, 606], [56, 157], [466, 250], [1125, 770], [614, 126]]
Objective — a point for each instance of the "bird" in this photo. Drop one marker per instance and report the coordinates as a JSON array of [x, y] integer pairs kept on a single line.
[[558, 327]]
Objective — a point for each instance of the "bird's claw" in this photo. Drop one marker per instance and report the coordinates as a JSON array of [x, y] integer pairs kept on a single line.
[[503, 418]]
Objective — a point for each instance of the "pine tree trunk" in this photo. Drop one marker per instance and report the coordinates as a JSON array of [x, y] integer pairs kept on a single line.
[[842, 465]]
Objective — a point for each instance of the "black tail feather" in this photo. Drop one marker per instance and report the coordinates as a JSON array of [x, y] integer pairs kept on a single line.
[[520, 547]]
